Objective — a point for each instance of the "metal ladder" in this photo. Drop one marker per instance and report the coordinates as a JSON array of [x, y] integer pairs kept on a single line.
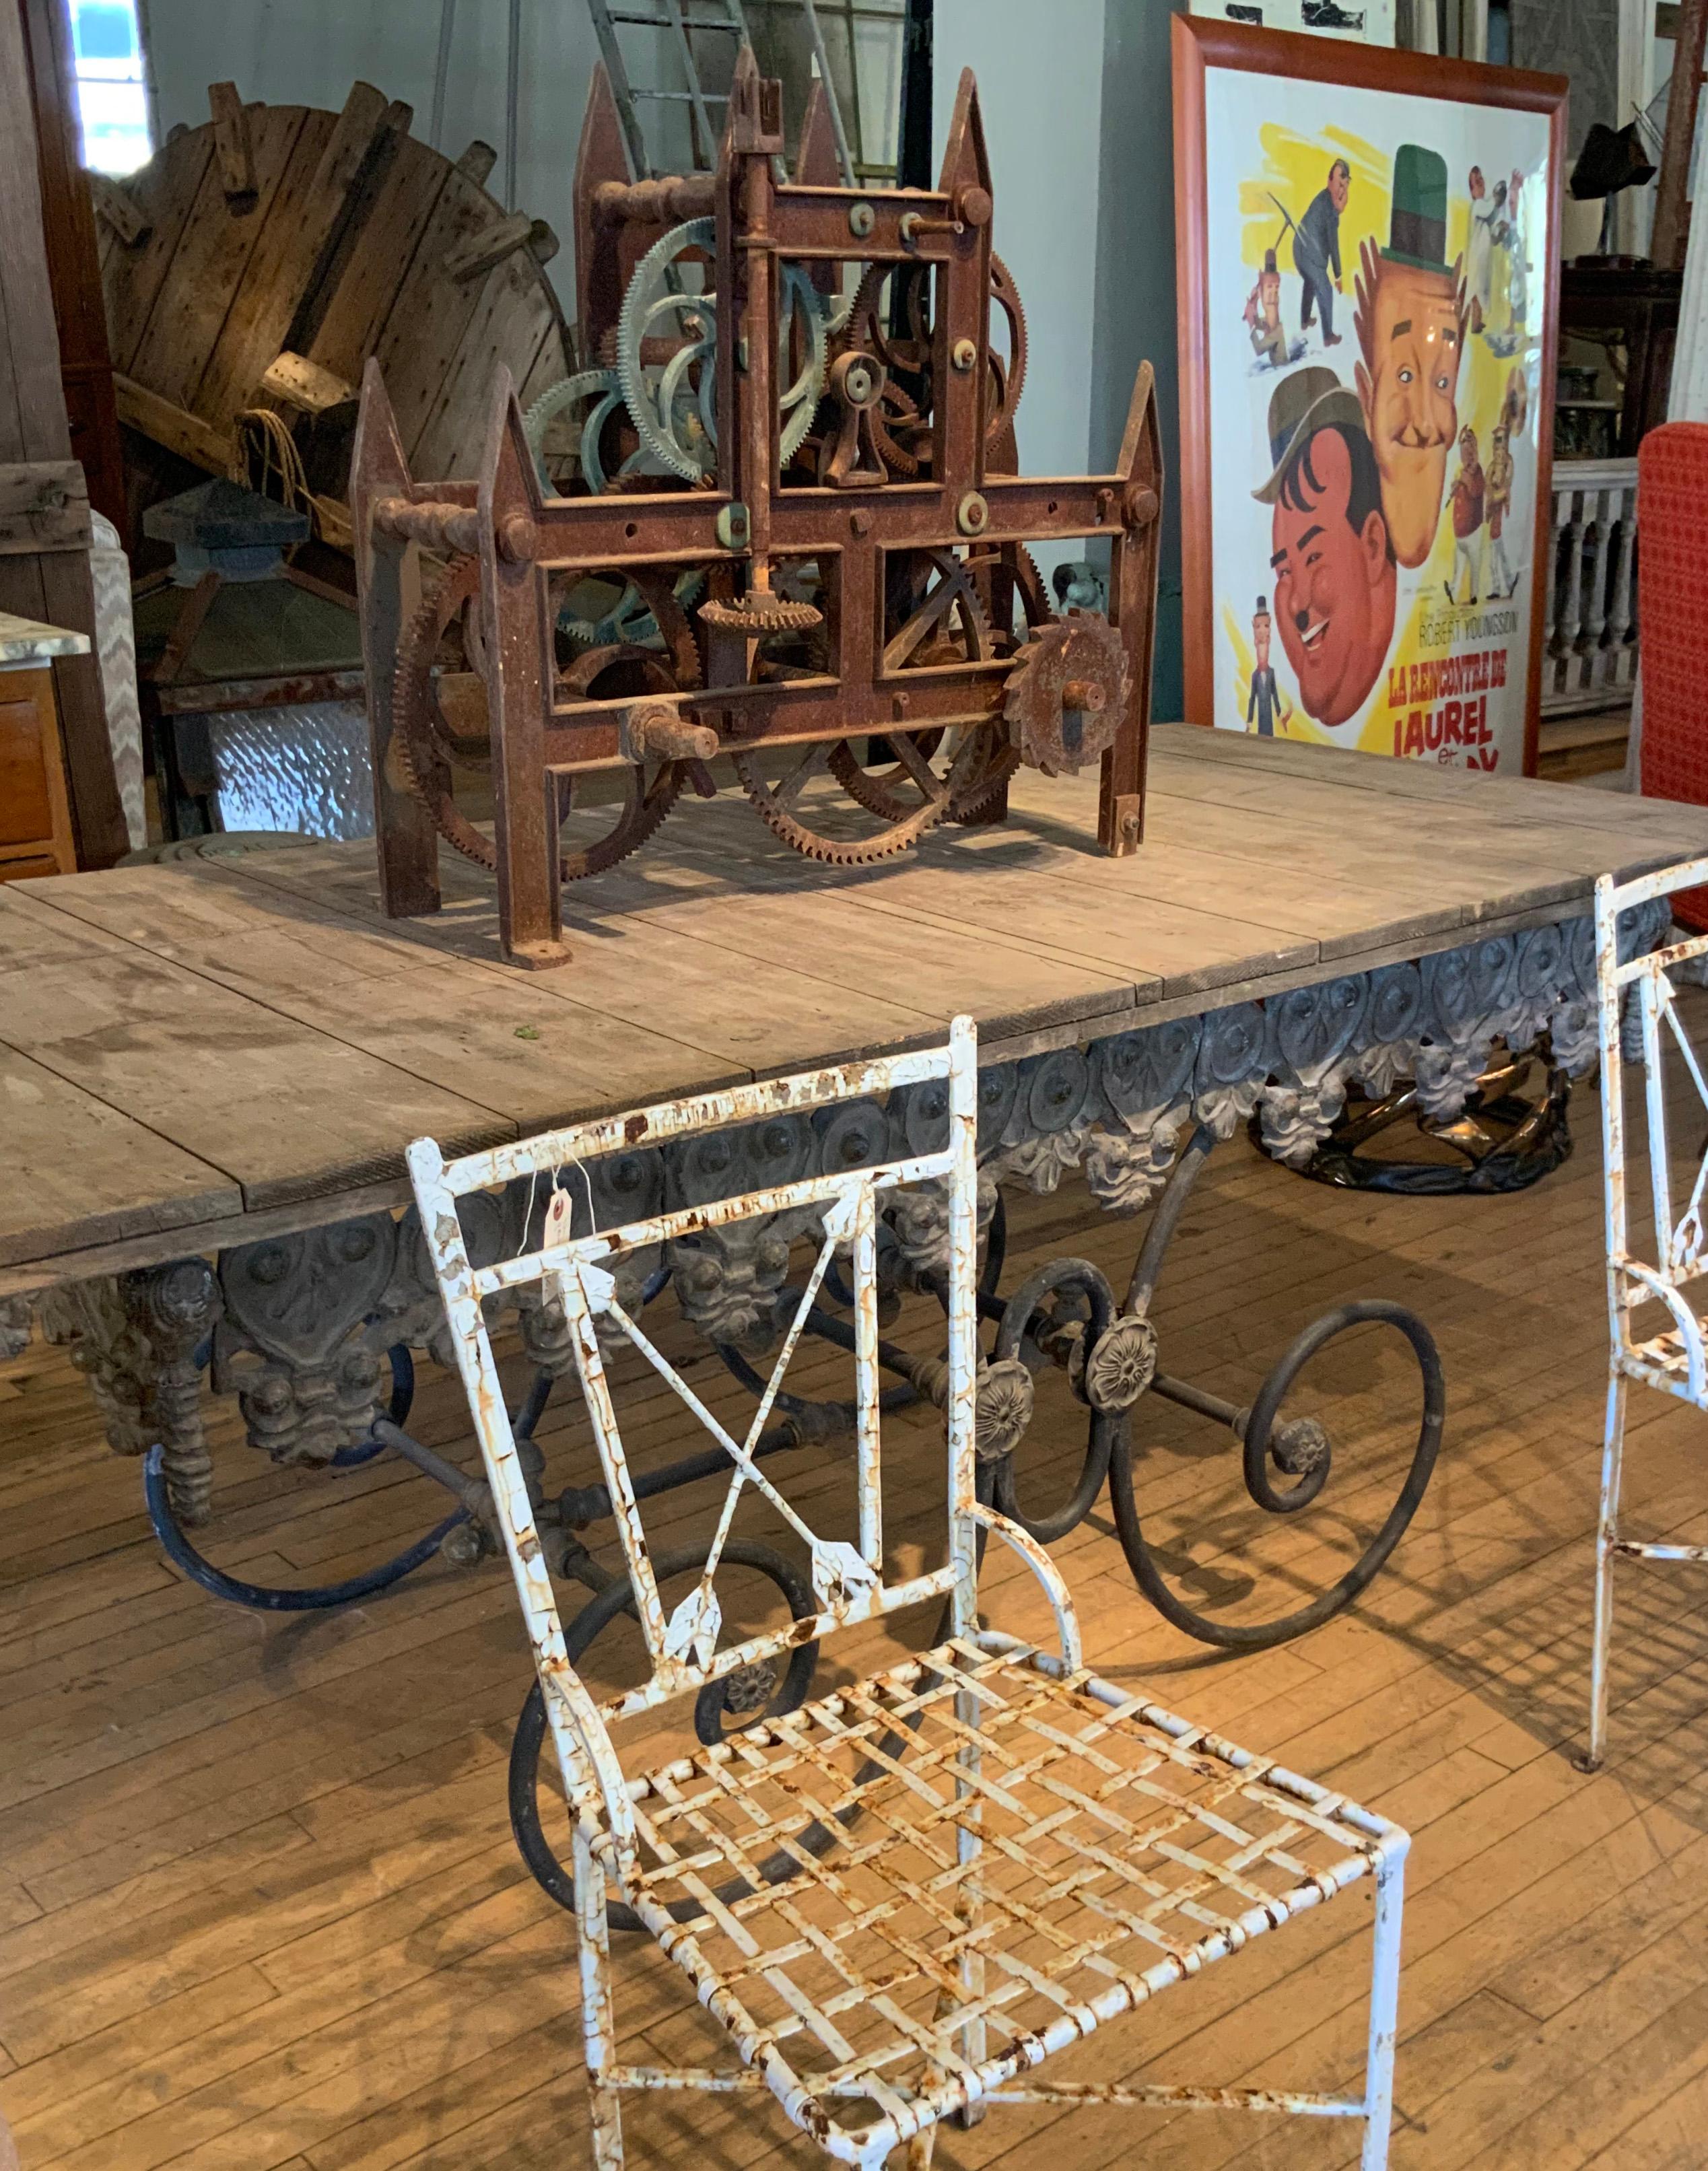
[[680, 19]]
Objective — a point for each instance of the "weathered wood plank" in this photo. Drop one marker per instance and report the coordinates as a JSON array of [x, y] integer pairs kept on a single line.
[[843, 944], [513, 316], [44, 506], [116, 208], [282, 1110], [419, 343], [77, 1172], [382, 264], [314, 198], [1537, 801], [232, 145], [216, 242], [166, 193]]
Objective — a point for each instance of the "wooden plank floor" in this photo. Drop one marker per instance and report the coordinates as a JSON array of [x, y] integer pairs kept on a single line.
[[259, 1910]]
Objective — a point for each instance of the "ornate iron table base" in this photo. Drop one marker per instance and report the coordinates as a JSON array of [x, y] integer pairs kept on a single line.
[[314, 1331], [1501, 1141]]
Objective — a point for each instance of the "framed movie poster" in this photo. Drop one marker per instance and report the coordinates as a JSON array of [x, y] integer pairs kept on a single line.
[[1366, 253]]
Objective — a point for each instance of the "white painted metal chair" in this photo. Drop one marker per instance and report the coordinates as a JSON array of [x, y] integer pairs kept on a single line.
[[901, 1898], [1674, 1358]]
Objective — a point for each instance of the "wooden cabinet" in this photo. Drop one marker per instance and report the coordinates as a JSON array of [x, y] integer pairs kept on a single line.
[[36, 837]]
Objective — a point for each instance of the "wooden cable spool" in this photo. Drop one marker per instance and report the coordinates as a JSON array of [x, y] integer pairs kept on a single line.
[[261, 259]]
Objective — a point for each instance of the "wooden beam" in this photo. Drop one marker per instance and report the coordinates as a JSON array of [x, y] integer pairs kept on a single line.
[[53, 585], [178, 431], [474, 258], [477, 161], [44, 506], [231, 143], [1672, 208], [296, 381], [116, 209]]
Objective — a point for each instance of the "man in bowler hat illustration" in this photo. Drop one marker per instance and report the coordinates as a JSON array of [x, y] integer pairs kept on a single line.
[[1267, 706], [1335, 577], [1317, 250], [1410, 317]]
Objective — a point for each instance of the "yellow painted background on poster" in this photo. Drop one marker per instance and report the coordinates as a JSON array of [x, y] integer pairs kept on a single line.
[[1266, 164]]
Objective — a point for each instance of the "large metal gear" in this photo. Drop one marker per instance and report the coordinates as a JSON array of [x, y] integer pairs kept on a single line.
[[795, 768], [758, 612], [907, 354], [428, 741], [599, 392], [628, 618], [936, 615], [1009, 374], [1068, 692], [673, 405]]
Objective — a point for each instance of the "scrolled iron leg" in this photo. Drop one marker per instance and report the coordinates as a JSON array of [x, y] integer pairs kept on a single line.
[[1301, 1448], [1066, 1312], [1606, 1552], [169, 1528]]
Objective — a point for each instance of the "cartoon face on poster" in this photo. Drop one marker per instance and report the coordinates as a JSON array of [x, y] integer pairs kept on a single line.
[[1375, 290]]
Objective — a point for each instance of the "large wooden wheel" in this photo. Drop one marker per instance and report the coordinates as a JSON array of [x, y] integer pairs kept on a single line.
[[259, 259]]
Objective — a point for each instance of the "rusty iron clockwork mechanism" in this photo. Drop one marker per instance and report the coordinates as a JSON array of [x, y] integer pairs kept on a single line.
[[775, 518]]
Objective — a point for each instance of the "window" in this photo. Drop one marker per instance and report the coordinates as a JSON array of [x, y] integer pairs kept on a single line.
[[111, 94]]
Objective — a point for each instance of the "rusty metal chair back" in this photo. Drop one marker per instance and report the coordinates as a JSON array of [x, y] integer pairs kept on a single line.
[[683, 1648], [1640, 1024], [899, 1898]]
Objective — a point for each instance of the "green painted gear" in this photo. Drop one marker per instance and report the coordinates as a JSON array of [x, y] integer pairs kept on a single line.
[[677, 421], [601, 386]]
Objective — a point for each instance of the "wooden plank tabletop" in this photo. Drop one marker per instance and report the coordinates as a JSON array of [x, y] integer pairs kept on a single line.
[[199, 1053]]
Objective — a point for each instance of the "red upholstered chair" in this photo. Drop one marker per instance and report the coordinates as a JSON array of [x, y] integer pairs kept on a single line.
[[1673, 509]]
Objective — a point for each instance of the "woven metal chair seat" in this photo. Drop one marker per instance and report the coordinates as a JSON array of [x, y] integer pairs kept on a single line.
[[1122, 1851]]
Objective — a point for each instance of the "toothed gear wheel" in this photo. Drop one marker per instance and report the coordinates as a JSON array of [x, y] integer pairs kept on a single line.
[[981, 778], [676, 416], [909, 355], [603, 389], [1010, 375], [775, 804], [653, 788], [946, 623], [760, 613], [415, 716], [1081, 653], [629, 619]]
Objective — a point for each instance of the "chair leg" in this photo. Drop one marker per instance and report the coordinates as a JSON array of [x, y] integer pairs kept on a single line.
[[1606, 1538], [1384, 2013], [598, 2023], [969, 1846]]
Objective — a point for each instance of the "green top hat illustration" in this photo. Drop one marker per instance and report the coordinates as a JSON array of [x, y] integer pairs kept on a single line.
[[1305, 401], [1417, 225]]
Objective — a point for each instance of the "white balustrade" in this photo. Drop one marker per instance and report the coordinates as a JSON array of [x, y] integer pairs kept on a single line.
[[1589, 649]]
